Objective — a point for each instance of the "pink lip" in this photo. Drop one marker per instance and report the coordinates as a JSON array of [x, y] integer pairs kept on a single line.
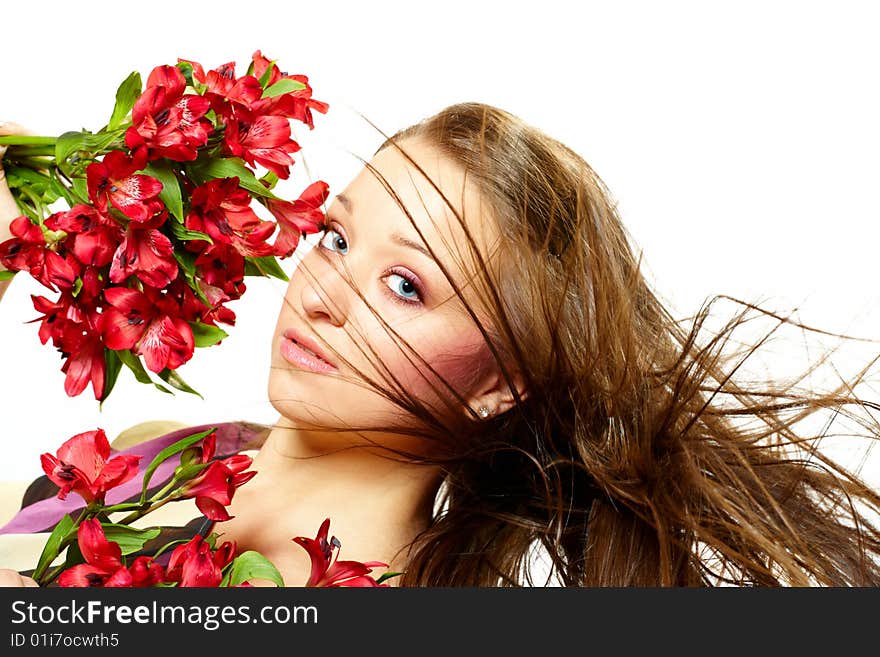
[[294, 354]]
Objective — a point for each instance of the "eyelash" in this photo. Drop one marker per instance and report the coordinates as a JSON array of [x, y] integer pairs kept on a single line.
[[394, 271]]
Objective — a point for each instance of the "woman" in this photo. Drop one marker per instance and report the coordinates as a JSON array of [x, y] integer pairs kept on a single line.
[[494, 372]]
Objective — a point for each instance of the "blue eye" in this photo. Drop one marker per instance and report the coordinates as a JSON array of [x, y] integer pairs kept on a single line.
[[403, 288], [335, 240]]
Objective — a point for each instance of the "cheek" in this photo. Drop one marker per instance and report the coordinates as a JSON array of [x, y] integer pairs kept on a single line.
[[459, 359]]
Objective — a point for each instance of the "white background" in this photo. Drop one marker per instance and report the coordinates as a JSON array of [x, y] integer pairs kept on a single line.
[[741, 141]]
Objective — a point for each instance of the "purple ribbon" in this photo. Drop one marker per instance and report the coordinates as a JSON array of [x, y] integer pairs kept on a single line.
[[36, 517]]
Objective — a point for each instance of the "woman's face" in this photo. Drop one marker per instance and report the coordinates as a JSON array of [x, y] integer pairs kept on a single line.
[[372, 243]]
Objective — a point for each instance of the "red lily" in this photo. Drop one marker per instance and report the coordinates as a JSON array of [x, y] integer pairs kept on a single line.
[[327, 572], [71, 325], [296, 104], [82, 466], [222, 209], [146, 572], [55, 314], [93, 236], [137, 322], [214, 487], [221, 266], [86, 363], [227, 94], [28, 250], [193, 309], [103, 566], [114, 181], [304, 215], [194, 564], [168, 122], [148, 254], [263, 141]]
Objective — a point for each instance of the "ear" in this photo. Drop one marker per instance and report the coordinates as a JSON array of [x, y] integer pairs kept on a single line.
[[494, 393]]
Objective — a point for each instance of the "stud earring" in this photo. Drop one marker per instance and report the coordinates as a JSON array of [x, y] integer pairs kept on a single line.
[[484, 412]]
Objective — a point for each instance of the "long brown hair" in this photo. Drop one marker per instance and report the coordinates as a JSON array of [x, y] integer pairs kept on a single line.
[[636, 454]]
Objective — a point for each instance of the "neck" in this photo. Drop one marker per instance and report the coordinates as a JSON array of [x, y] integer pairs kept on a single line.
[[376, 503]]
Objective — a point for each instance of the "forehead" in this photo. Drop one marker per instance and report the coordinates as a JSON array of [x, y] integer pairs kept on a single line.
[[403, 193]]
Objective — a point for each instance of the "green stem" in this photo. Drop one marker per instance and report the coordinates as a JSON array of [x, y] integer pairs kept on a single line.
[[16, 152], [134, 515], [38, 203], [34, 163], [26, 140], [52, 574]]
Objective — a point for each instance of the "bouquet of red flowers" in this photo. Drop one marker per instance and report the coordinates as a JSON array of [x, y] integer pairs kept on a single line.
[[100, 551], [159, 228]]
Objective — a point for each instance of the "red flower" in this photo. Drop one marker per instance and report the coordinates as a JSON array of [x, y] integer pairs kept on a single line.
[[261, 64], [81, 466], [294, 104], [71, 325], [304, 215], [168, 122], [114, 180], [85, 364], [28, 250], [214, 487], [327, 572], [227, 94], [148, 254], [263, 141], [146, 572], [55, 314], [222, 209], [94, 236], [103, 566], [194, 564], [135, 321], [221, 266]]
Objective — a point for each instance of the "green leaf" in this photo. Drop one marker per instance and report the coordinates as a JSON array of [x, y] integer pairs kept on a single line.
[[264, 266], [132, 362], [77, 287], [170, 193], [129, 538], [187, 69], [111, 372], [73, 150], [6, 275], [21, 177], [73, 556], [172, 378], [264, 78], [283, 86], [387, 575], [167, 453], [206, 335], [53, 543], [185, 234], [167, 547], [250, 565], [187, 262], [80, 187], [231, 167], [269, 180], [126, 95], [60, 190]]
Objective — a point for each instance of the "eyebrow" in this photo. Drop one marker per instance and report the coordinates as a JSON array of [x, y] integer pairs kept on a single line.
[[396, 237]]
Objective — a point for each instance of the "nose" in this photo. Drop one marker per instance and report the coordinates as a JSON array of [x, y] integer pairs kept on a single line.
[[325, 294]]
